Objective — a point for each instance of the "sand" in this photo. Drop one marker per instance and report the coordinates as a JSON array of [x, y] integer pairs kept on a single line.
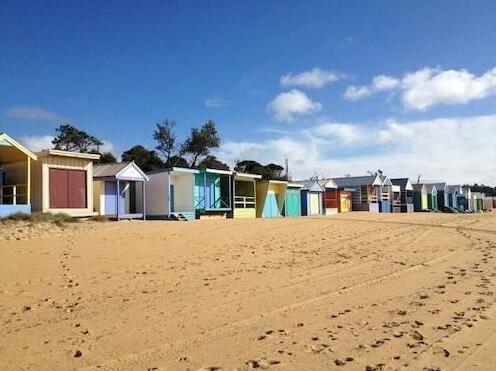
[[350, 292]]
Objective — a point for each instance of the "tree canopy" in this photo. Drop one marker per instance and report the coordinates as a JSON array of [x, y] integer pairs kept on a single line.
[[165, 137], [270, 171], [201, 142], [70, 138], [147, 160], [212, 162]]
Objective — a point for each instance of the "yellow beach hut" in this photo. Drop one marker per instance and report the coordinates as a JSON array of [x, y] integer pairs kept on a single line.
[[245, 195], [270, 198], [15, 176], [62, 182]]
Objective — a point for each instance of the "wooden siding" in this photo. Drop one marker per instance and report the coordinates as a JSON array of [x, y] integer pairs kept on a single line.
[[40, 182]]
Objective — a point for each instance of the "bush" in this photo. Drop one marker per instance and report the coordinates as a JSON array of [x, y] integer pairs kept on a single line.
[[59, 218]]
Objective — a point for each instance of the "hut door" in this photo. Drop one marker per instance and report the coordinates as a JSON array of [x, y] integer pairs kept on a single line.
[[110, 198], [271, 210], [171, 196], [67, 188], [314, 204], [292, 203]]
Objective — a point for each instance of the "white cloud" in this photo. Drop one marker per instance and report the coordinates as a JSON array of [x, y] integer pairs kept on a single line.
[[216, 102], [37, 142], [465, 154], [379, 83], [384, 82], [33, 113], [286, 106], [345, 133], [315, 78], [429, 87], [355, 93]]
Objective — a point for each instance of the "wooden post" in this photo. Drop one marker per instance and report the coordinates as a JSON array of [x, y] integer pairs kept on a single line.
[[205, 190], [143, 201], [28, 186], [117, 199], [230, 201], [169, 195]]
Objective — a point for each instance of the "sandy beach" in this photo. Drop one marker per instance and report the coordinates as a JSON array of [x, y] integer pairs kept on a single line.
[[351, 292]]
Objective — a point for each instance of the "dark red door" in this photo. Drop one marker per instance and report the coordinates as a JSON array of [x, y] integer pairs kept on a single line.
[[77, 189], [58, 184], [67, 189]]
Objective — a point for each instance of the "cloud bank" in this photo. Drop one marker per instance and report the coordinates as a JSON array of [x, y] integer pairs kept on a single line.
[[465, 155], [430, 87]]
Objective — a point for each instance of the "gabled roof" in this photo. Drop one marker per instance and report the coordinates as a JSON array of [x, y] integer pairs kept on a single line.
[[403, 183], [431, 188], [120, 170], [355, 181], [14, 143], [312, 185], [455, 188], [441, 186], [419, 187], [385, 180], [328, 183]]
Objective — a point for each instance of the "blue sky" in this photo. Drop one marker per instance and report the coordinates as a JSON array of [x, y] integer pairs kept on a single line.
[[280, 78]]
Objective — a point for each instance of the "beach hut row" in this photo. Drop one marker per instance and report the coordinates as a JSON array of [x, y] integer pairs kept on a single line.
[[69, 182]]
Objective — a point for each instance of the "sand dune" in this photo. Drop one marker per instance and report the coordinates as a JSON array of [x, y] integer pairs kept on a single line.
[[351, 292]]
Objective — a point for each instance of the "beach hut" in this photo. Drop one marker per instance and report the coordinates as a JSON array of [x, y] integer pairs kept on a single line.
[[442, 195], [245, 195], [336, 200], [488, 203], [62, 182], [15, 176], [119, 190], [292, 201], [213, 197], [365, 191], [465, 202], [432, 201], [170, 194], [386, 195], [454, 193], [403, 195], [420, 197], [311, 198], [478, 201], [330, 196], [271, 195]]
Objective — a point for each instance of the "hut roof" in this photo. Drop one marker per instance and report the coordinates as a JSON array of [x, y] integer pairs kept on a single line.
[[431, 187], [418, 186], [312, 185], [355, 181], [402, 182], [328, 183], [118, 169]]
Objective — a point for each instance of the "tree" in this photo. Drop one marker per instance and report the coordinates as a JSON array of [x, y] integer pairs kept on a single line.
[[70, 138], [166, 141], [177, 161], [201, 141], [212, 162], [107, 158], [147, 160], [270, 171]]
